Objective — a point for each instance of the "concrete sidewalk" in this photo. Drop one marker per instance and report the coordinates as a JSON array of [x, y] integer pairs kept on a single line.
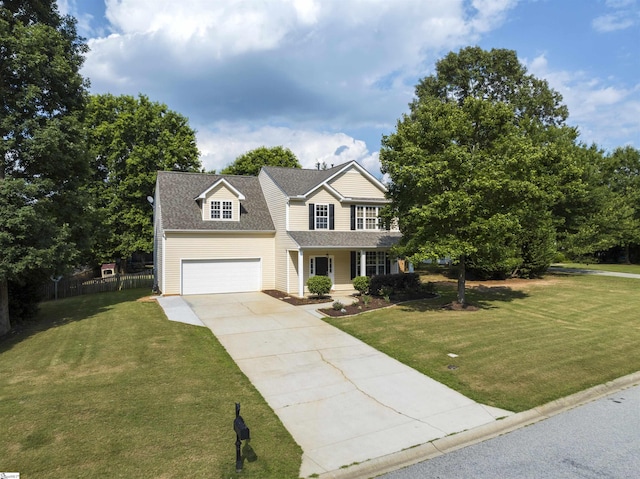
[[342, 401]]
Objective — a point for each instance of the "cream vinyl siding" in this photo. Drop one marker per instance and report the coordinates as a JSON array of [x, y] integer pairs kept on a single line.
[[292, 265], [353, 184], [277, 203], [299, 212], [202, 246], [298, 216], [221, 193], [341, 268]]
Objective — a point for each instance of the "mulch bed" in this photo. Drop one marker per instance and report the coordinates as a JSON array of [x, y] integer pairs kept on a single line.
[[349, 309], [295, 300], [354, 306]]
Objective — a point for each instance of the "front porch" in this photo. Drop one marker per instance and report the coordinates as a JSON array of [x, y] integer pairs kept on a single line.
[[340, 265]]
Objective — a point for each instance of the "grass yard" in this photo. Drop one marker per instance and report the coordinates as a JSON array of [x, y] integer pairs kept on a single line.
[[529, 343], [618, 268], [104, 386]]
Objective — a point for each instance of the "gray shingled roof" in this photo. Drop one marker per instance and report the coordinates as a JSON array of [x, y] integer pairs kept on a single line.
[[180, 211], [345, 239], [296, 181]]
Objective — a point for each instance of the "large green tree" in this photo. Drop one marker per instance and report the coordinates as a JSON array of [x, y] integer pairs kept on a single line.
[[621, 171], [474, 165], [130, 139], [43, 162], [251, 162]]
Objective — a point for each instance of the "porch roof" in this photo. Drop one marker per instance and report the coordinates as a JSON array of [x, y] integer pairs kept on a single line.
[[345, 239]]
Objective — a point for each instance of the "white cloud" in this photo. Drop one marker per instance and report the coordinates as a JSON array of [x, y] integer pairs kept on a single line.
[[612, 22], [221, 144], [605, 112], [328, 62], [316, 68], [216, 28], [490, 13], [625, 14]]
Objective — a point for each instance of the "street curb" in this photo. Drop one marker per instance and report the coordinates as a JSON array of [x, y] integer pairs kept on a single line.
[[391, 462]]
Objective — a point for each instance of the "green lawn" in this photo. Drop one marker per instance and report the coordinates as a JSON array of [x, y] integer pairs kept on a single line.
[[522, 348], [618, 268], [104, 386]]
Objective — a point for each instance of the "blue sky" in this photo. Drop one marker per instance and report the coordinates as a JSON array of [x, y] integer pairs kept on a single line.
[[328, 78]]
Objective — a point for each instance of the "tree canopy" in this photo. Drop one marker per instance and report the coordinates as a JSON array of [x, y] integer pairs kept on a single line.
[[251, 162], [474, 165], [43, 161], [130, 139], [621, 177]]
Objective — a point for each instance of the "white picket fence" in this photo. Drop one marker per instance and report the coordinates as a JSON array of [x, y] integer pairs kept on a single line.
[[66, 288]]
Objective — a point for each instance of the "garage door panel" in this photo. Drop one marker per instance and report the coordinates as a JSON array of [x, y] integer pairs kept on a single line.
[[221, 276]]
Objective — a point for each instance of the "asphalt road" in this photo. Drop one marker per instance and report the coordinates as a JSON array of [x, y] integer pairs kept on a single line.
[[600, 439]]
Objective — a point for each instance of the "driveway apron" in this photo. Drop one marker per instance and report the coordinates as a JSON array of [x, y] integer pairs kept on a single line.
[[343, 401]]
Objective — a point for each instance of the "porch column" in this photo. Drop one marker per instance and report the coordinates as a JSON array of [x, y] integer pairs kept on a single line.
[[363, 263], [301, 273]]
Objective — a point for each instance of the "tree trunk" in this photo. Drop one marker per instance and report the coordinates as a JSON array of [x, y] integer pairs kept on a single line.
[[5, 325], [461, 281], [627, 259]]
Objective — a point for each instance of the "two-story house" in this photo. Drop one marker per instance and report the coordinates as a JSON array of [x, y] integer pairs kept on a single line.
[[225, 233]]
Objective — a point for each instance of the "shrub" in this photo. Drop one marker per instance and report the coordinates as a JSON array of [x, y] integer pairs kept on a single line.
[[394, 283], [319, 285], [361, 283], [338, 306], [386, 293], [366, 299]]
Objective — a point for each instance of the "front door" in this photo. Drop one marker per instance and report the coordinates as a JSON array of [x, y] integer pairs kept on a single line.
[[322, 266]]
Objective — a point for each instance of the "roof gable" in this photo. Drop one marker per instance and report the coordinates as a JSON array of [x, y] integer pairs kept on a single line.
[[301, 183], [221, 182]]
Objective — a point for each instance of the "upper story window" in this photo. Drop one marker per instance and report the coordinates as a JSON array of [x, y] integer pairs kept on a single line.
[[368, 218], [322, 217], [221, 210]]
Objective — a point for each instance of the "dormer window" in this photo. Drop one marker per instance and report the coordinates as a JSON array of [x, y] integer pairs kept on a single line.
[[221, 210], [221, 202]]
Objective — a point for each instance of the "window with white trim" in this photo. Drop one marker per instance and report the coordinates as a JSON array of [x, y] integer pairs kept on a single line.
[[368, 218], [376, 263], [221, 210], [322, 217], [227, 210]]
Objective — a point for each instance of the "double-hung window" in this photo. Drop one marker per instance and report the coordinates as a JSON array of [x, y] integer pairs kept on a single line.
[[367, 218], [221, 210], [376, 263], [322, 217], [227, 211]]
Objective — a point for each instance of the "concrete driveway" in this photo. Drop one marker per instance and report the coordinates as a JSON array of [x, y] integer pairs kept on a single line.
[[342, 401]]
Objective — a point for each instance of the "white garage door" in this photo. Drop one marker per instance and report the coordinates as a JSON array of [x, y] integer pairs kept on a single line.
[[221, 276]]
